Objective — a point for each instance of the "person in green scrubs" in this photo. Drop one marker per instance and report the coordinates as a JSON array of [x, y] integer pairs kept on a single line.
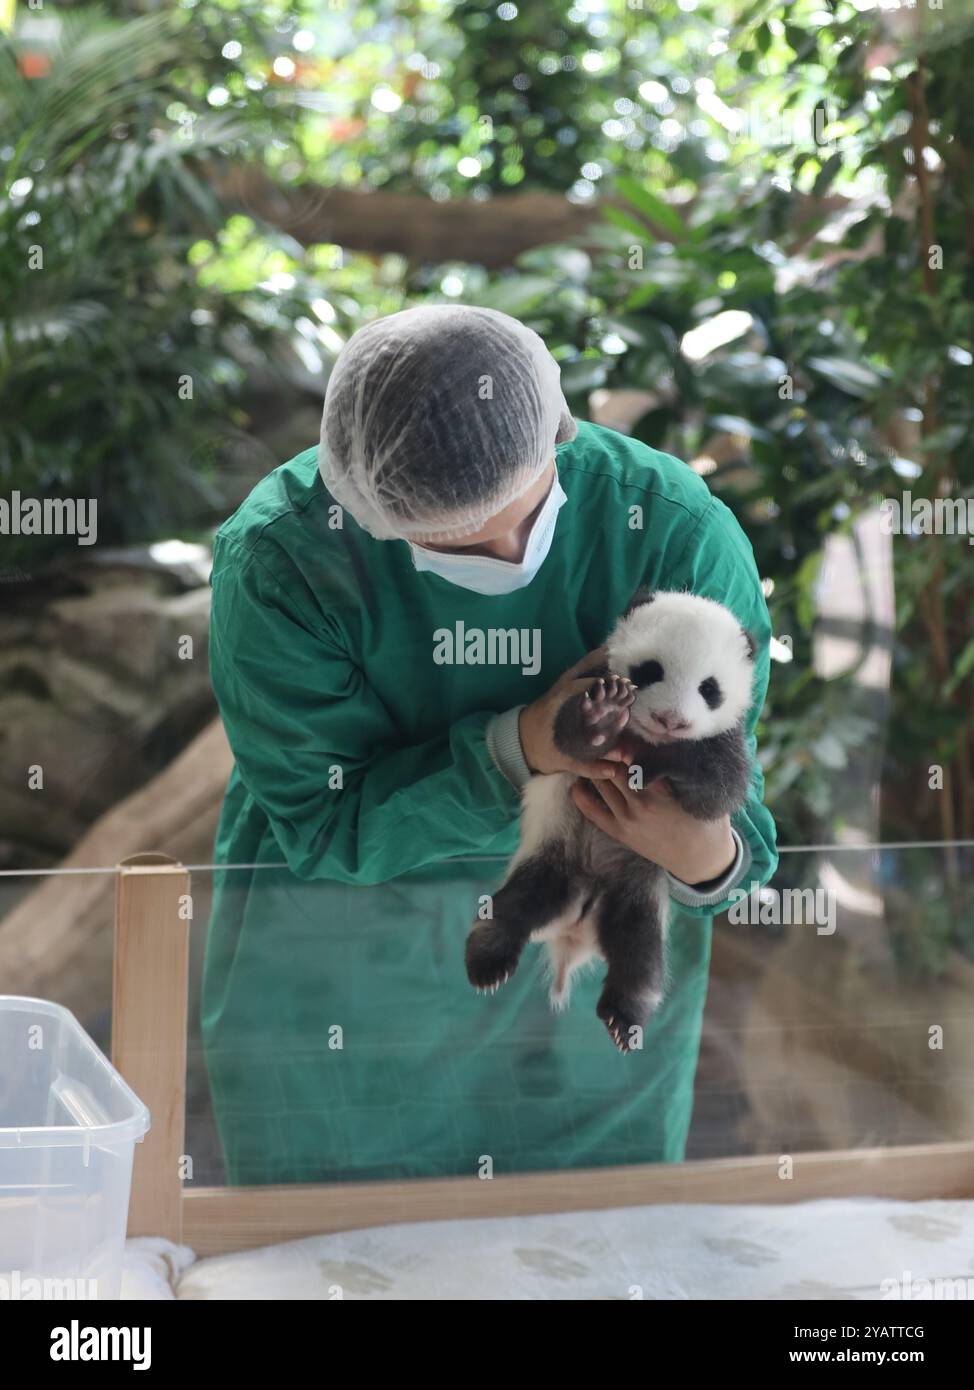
[[397, 614]]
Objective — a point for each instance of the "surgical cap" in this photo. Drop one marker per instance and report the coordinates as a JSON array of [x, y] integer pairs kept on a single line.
[[437, 418]]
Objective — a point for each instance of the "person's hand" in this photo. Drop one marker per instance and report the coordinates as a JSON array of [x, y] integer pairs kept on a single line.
[[653, 825], [536, 725]]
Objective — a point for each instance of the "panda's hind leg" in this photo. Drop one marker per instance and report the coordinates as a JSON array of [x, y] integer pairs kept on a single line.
[[631, 929], [541, 892]]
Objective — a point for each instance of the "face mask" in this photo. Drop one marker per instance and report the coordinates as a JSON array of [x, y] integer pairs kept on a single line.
[[485, 575]]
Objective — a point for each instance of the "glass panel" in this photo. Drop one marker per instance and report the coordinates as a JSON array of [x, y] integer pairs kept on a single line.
[[837, 1016], [333, 1034]]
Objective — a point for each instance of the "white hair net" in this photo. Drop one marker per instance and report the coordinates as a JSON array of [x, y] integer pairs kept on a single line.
[[436, 418]]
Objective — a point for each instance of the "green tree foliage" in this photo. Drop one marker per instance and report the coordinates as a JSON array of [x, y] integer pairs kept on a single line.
[[808, 318], [116, 365]]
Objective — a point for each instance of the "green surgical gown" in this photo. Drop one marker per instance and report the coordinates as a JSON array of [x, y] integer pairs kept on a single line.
[[342, 1039]]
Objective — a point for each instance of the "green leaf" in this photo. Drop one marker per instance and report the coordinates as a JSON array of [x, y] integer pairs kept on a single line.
[[652, 207], [641, 296], [826, 174], [518, 294], [630, 330], [755, 11], [828, 751], [944, 440], [620, 218], [783, 776], [564, 260], [736, 424], [963, 668], [805, 581], [652, 427], [799, 39], [851, 377], [584, 374]]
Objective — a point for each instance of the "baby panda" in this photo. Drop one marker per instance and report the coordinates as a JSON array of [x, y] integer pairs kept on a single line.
[[678, 684]]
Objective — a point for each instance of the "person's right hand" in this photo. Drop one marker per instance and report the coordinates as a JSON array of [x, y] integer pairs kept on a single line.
[[537, 720]]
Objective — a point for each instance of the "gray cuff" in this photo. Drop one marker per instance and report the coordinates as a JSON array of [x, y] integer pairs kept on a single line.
[[690, 897], [504, 746]]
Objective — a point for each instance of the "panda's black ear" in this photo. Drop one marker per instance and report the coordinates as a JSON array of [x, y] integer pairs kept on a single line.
[[752, 646], [643, 594]]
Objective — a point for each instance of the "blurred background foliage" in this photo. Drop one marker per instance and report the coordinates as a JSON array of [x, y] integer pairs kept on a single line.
[[756, 286]]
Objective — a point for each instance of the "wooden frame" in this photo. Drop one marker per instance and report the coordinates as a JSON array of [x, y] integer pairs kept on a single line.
[[150, 1001]]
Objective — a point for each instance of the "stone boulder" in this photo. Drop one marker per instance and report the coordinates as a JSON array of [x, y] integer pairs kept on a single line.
[[104, 679]]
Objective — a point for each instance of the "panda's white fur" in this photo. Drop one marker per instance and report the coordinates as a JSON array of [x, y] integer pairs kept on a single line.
[[692, 638], [548, 813]]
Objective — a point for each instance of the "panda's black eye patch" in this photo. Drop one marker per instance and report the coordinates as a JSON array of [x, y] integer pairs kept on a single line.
[[646, 673], [711, 692]]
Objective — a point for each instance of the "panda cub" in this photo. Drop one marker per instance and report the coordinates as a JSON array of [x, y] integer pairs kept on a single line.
[[678, 684]]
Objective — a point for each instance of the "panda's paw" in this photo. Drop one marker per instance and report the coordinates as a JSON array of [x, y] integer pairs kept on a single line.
[[624, 1019], [605, 708], [492, 957]]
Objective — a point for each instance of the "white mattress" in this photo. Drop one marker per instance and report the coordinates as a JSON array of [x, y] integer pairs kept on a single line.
[[862, 1248]]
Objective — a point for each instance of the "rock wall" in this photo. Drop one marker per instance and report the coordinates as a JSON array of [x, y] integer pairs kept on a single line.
[[103, 680]]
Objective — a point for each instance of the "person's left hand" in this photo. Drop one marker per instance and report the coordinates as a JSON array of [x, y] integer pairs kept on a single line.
[[653, 825]]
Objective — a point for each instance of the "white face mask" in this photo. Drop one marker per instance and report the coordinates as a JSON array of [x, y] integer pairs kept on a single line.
[[485, 575]]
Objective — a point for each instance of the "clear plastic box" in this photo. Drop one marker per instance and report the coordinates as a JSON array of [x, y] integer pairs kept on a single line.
[[68, 1127]]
